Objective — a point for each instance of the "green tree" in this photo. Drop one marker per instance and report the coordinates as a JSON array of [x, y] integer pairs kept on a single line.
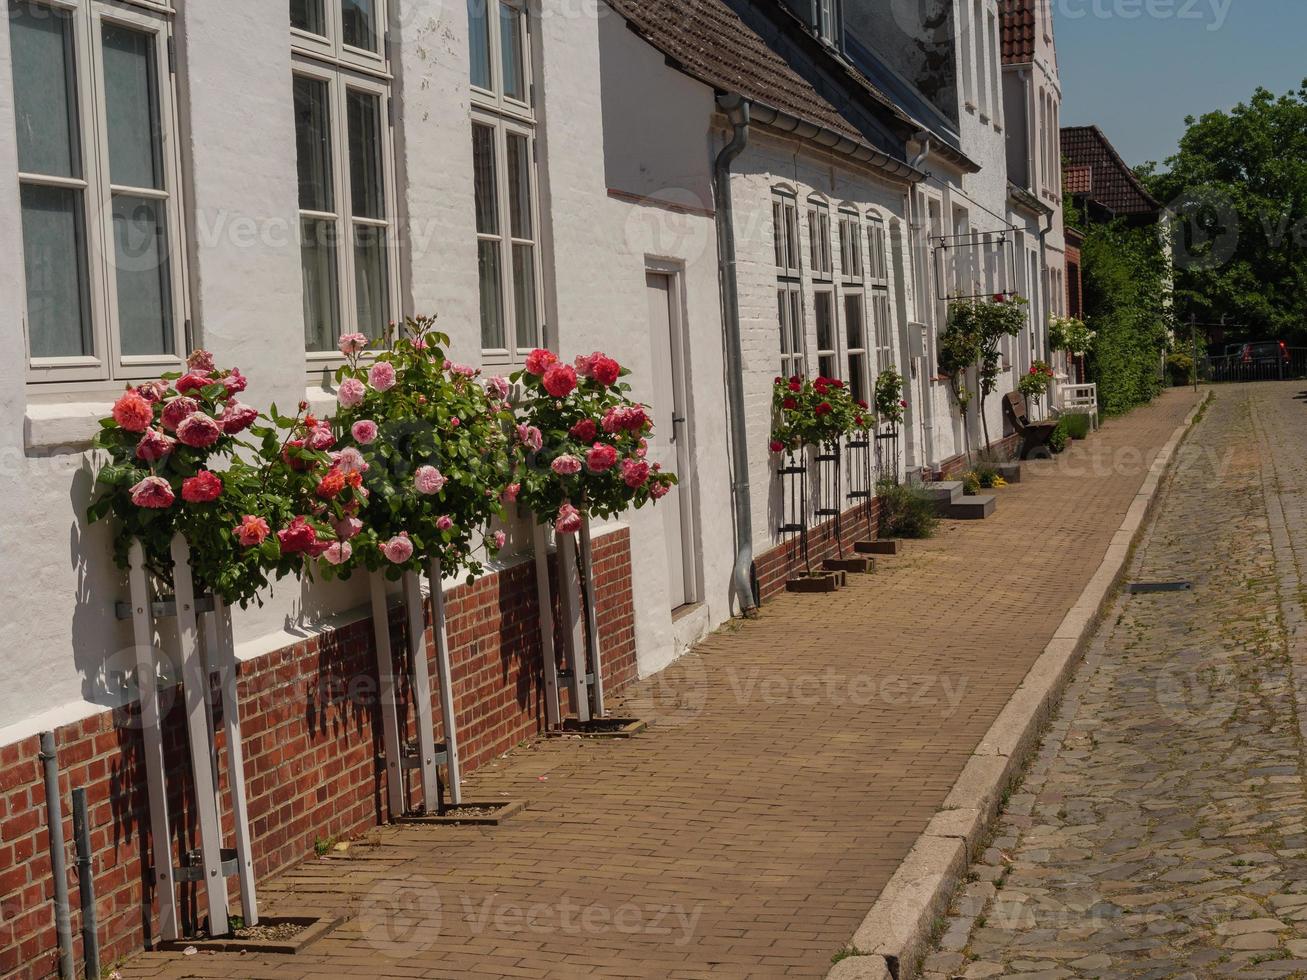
[[1238, 187]]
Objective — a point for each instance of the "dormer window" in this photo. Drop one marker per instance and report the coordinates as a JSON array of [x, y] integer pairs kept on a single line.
[[828, 21]]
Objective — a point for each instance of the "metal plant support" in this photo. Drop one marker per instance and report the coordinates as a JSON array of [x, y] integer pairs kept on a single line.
[[211, 864], [794, 493], [578, 597], [862, 474], [425, 754], [887, 454], [829, 463]]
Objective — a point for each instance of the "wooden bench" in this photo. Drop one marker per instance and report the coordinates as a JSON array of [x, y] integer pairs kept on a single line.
[[1034, 435]]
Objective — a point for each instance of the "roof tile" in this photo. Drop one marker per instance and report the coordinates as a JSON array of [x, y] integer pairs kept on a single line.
[[1112, 183], [1018, 20]]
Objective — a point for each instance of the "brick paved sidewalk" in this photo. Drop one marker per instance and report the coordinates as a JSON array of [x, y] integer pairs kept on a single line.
[[790, 766]]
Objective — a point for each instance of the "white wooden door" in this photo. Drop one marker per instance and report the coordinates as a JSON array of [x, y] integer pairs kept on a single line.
[[668, 445]]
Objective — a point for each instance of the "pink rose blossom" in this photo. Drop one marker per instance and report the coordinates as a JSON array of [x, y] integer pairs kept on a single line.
[[498, 539], [568, 520], [538, 360], [605, 370], [498, 388], [566, 465], [398, 549], [643, 451], [463, 370], [585, 364], [659, 490], [601, 458], [350, 460], [193, 381], [364, 432], [510, 493], [235, 382], [351, 393], [320, 437], [529, 436], [352, 343], [251, 531], [585, 430], [236, 417], [153, 492], [348, 527], [198, 431], [429, 480], [444, 523], [298, 536], [152, 391], [202, 488], [382, 376], [559, 380], [200, 360], [634, 473], [177, 410], [133, 412], [338, 552], [455, 421], [154, 445]]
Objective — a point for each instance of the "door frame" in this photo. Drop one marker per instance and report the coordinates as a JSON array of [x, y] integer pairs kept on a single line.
[[687, 481]]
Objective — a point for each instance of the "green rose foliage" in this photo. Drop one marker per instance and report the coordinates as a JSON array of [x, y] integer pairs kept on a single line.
[[1035, 382], [889, 396], [155, 484], [580, 441], [813, 412], [438, 464]]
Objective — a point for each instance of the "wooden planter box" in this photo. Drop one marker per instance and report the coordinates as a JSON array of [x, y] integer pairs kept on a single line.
[[469, 814], [312, 928], [599, 728]]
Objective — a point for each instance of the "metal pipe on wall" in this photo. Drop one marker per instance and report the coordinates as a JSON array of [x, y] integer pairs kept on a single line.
[[86, 886], [58, 859]]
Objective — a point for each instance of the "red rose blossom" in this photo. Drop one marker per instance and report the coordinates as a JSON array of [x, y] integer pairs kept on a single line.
[[133, 412], [560, 380], [201, 488], [585, 430]]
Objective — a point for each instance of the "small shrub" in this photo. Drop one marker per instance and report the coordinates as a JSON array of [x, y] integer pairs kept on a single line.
[[1180, 368], [905, 511], [989, 477], [970, 484], [1077, 425], [1060, 437]]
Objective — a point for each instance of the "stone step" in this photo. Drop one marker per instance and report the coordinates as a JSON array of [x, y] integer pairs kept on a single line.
[[1011, 472], [880, 546], [975, 508], [944, 491]]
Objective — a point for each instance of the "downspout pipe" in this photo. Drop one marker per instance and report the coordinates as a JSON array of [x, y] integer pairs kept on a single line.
[[736, 109], [923, 278], [58, 856]]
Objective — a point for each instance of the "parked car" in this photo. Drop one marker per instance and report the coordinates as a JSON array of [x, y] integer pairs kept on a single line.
[[1253, 361]]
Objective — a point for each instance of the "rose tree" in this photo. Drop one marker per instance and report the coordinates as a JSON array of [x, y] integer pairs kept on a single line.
[[581, 442], [429, 443], [174, 466], [818, 412]]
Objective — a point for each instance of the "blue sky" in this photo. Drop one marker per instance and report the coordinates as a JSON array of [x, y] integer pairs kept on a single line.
[[1136, 68]]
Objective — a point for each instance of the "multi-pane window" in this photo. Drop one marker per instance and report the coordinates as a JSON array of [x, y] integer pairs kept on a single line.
[[789, 289], [855, 349], [504, 178], [346, 170], [878, 282], [850, 246], [99, 182], [819, 239], [823, 306]]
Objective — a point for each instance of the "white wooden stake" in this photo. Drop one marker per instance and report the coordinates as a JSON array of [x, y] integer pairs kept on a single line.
[[444, 677], [573, 634], [592, 616], [420, 678], [225, 653], [196, 685], [395, 788], [147, 686], [544, 596]]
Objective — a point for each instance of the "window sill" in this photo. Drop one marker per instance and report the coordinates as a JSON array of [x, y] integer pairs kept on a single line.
[[62, 428]]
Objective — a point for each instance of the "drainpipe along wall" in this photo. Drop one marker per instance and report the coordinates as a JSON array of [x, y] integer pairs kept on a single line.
[[737, 112], [917, 226]]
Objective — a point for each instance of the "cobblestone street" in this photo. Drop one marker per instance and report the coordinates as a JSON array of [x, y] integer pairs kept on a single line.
[[1161, 831]]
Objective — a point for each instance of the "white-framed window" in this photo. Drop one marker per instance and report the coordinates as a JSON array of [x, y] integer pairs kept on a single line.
[[995, 86], [348, 32], [823, 308], [99, 176], [340, 91], [982, 69], [819, 253], [827, 20], [968, 68], [505, 180], [789, 285], [878, 285], [855, 345], [850, 226]]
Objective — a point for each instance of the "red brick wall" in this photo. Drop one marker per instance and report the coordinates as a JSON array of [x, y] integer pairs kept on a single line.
[[310, 727], [775, 567], [1009, 447]]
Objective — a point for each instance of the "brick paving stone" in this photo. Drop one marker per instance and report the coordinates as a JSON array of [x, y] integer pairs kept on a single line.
[[791, 763], [1166, 831]]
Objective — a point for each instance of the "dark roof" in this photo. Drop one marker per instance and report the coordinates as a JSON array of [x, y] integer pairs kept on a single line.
[[1111, 183], [907, 95], [706, 40], [1018, 42]]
